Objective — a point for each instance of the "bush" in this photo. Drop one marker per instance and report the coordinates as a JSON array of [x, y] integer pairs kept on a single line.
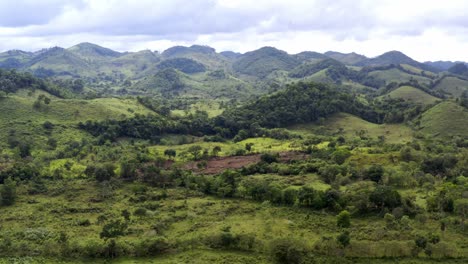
[[285, 250], [343, 219], [113, 229], [269, 158], [152, 247], [139, 212]]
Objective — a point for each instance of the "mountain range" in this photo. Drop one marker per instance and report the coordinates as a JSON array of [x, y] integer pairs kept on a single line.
[[202, 71]]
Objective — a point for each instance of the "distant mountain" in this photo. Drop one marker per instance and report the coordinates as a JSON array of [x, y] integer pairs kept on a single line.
[[395, 57], [459, 68], [181, 50], [231, 54], [346, 58], [307, 69], [264, 61], [60, 61], [310, 55], [182, 64], [441, 65], [92, 51], [202, 54]]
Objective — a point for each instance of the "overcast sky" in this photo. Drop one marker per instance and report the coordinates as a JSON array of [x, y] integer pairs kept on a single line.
[[423, 29]]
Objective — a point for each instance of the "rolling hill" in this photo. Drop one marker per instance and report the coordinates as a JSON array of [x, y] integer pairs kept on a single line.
[[264, 61], [445, 120], [395, 57], [91, 52], [452, 86], [346, 58], [412, 94]]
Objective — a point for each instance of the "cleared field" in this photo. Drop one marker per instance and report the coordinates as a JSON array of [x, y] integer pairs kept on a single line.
[[350, 126], [412, 94], [452, 86], [446, 119], [395, 75]]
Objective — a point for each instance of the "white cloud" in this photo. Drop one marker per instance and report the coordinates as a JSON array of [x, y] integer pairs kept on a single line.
[[425, 30]]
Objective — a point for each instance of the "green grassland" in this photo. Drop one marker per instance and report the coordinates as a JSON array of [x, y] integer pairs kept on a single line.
[[351, 126], [18, 114], [395, 75], [411, 94], [446, 119], [452, 86], [417, 70], [191, 222]]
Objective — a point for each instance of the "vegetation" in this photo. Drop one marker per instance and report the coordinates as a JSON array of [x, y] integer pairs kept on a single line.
[[146, 157]]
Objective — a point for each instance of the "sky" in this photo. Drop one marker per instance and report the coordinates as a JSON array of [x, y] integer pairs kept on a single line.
[[422, 29]]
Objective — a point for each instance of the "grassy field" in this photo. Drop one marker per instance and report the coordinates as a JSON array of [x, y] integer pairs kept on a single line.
[[395, 75], [350, 126], [446, 119], [452, 86], [417, 70], [411, 94]]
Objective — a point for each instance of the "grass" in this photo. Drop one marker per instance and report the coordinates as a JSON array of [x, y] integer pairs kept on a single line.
[[395, 75], [349, 126], [228, 148], [212, 107], [412, 94], [452, 86], [446, 119], [417, 70]]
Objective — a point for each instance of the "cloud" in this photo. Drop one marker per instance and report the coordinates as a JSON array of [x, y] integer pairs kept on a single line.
[[364, 25], [19, 13]]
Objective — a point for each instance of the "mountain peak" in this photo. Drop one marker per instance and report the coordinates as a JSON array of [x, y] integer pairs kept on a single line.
[[90, 50]]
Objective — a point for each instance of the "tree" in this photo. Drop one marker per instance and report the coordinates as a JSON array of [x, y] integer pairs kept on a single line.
[[216, 150], [113, 229], [195, 151], [8, 192], [344, 239], [340, 155], [171, 153], [248, 146], [461, 208], [343, 219], [24, 150], [269, 158], [384, 196], [375, 173]]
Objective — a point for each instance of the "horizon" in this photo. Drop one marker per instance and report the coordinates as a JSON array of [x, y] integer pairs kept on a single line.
[[217, 51], [423, 30]]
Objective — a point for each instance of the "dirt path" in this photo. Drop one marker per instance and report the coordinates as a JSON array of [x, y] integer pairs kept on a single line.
[[219, 164]]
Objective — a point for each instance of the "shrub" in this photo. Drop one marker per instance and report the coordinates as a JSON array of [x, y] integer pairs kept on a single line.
[[139, 212], [343, 219], [285, 250]]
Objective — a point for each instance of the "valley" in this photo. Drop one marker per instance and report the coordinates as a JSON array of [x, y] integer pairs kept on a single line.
[[196, 156]]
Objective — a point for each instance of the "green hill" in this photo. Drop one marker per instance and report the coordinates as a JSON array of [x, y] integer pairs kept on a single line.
[[18, 114], [310, 56], [61, 62], [395, 57], [396, 75], [182, 64], [445, 120], [202, 54], [133, 64], [91, 52], [264, 61], [412, 94], [310, 68], [350, 126], [452, 86], [346, 58]]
